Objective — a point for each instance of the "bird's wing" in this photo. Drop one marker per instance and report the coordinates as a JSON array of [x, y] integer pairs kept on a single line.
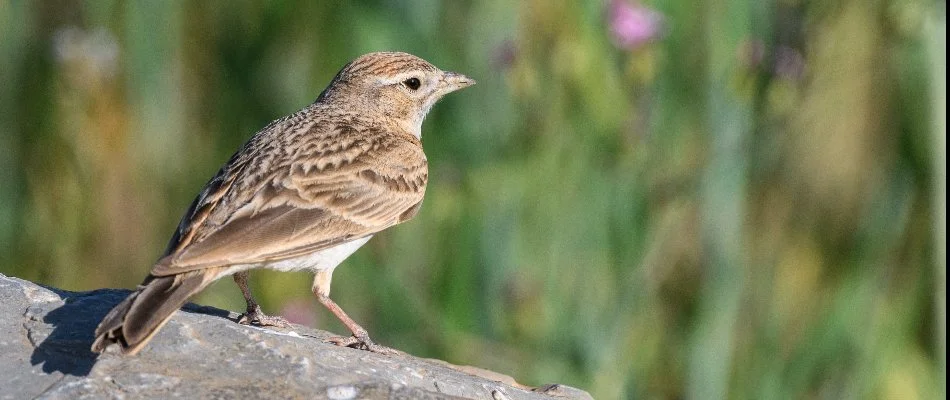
[[320, 196]]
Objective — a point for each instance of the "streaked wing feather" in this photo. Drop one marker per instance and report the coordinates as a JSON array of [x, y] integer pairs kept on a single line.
[[204, 204], [277, 233], [312, 202]]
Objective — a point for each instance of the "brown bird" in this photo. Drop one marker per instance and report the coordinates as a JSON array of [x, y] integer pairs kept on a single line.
[[303, 193]]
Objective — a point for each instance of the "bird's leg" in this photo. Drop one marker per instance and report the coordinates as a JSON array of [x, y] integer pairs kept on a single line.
[[360, 338], [254, 315]]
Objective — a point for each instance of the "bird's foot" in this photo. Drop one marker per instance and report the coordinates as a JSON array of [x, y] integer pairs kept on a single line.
[[256, 317], [363, 343]]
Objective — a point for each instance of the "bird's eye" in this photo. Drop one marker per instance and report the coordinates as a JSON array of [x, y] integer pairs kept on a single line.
[[412, 83]]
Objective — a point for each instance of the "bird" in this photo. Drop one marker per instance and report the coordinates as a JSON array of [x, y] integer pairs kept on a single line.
[[303, 193]]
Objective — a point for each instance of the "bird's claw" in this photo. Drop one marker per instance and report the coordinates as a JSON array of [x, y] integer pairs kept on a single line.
[[362, 344], [257, 318]]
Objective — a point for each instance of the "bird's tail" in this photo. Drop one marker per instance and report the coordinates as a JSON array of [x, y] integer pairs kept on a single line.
[[133, 322]]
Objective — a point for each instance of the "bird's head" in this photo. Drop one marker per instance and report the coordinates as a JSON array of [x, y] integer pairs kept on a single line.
[[397, 86]]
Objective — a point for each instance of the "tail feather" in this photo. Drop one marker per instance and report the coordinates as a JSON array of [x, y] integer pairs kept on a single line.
[[133, 322]]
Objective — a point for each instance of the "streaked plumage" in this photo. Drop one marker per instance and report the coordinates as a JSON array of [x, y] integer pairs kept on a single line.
[[303, 193]]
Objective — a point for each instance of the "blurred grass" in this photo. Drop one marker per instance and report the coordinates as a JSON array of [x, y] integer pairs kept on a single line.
[[749, 204]]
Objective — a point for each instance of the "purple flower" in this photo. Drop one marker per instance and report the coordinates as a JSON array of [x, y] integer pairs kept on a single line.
[[504, 55], [632, 25], [789, 63]]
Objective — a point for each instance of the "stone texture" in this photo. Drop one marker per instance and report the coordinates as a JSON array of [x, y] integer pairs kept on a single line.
[[45, 335]]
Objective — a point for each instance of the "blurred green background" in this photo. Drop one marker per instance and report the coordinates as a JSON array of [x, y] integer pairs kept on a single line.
[[727, 199]]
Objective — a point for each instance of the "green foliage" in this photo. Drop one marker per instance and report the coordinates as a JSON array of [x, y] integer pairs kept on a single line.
[[749, 203]]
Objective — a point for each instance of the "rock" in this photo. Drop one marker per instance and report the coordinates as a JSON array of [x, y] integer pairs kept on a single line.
[[45, 335]]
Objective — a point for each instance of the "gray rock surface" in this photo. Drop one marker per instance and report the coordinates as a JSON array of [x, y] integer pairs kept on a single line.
[[45, 336]]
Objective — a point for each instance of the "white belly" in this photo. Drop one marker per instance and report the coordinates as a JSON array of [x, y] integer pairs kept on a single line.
[[326, 259]]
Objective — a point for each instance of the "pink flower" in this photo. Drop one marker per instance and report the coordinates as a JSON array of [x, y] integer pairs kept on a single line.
[[632, 25], [300, 311]]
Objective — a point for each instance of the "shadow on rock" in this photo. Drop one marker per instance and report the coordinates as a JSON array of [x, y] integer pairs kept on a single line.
[[66, 348]]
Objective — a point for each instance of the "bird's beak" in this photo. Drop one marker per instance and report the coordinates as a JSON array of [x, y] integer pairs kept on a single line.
[[452, 81]]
